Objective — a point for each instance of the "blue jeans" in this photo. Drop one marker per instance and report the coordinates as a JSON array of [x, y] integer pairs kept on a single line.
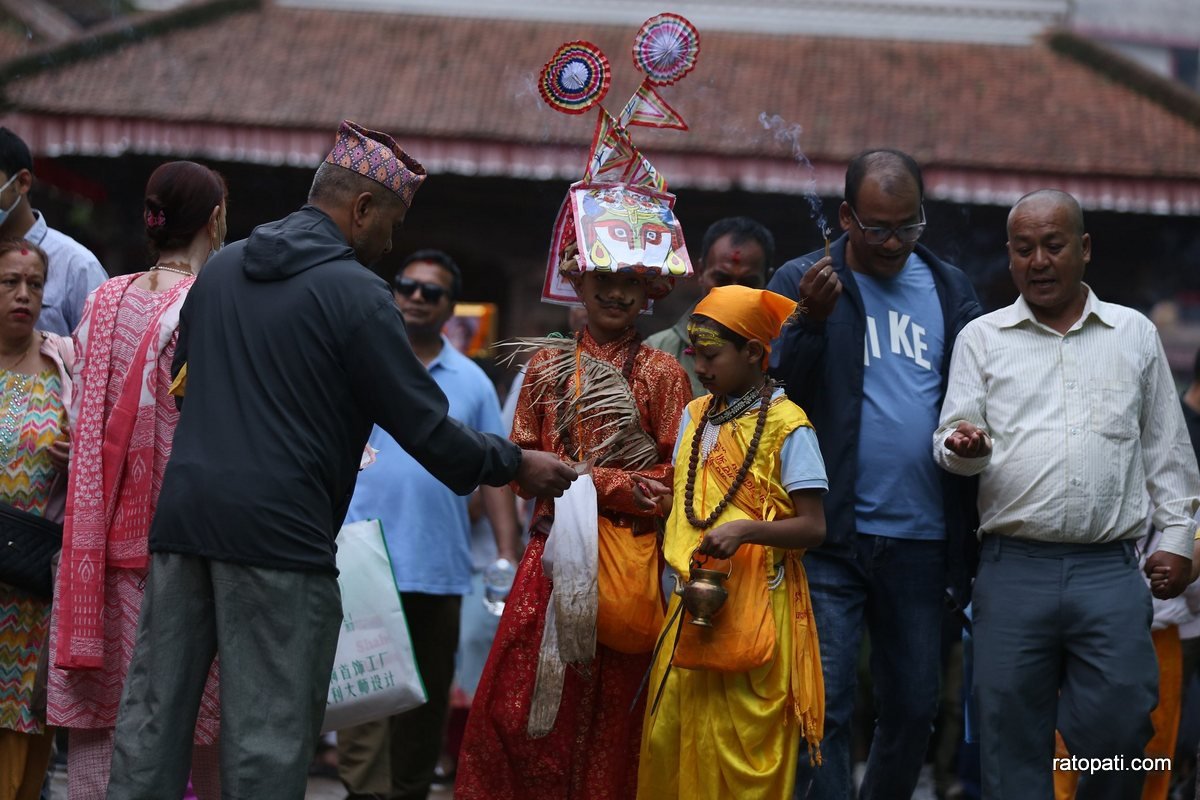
[[897, 587]]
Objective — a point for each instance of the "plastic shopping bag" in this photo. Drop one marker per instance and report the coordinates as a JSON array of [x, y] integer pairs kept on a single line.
[[570, 560], [374, 673], [569, 634]]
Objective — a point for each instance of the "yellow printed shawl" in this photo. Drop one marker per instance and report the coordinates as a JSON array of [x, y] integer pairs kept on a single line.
[[719, 735]]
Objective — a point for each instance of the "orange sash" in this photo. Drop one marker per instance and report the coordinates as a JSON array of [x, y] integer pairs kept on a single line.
[[743, 632], [629, 614]]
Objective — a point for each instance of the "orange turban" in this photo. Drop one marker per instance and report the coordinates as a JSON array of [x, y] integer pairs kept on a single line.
[[753, 313]]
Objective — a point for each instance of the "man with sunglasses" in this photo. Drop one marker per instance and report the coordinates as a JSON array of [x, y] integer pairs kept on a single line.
[[428, 531], [870, 369]]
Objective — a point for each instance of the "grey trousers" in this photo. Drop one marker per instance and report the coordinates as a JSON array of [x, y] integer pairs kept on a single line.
[[276, 632], [1062, 640]]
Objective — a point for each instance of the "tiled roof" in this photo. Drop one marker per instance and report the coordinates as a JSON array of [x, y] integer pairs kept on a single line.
[[979, 107]]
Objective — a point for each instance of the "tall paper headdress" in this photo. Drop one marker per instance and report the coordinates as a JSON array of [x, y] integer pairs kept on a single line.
[[620, 215]]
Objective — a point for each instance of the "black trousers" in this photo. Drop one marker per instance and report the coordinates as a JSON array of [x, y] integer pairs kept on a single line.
[[395, 758]]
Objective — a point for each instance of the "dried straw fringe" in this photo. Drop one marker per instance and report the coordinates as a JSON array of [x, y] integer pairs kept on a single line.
[[606, 406]]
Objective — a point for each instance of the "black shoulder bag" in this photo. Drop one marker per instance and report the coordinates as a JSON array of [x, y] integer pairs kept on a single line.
[[27, 545]]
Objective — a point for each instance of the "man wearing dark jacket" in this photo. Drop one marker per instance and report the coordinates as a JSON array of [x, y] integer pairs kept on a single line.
[[293, 349], [870, 369]]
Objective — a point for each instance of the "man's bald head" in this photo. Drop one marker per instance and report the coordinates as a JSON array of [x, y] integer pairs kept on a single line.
[[1048, 200], [1048, 253], [894, 170]]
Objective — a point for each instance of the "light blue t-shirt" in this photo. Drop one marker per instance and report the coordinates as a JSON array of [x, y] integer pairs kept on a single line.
[[898, 485], [427, 528], [800, 462]]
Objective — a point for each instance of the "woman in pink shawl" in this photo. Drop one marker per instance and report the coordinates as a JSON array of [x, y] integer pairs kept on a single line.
[[123, 418]]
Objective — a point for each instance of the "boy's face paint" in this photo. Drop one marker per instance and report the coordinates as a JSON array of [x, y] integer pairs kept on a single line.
[[701, 335], [721, 367]]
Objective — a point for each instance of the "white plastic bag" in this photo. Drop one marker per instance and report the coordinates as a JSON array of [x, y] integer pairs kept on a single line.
[[374, 673], [570, 560]]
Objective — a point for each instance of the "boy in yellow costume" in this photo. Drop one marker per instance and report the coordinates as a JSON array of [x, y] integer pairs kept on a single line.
[[730, 705]]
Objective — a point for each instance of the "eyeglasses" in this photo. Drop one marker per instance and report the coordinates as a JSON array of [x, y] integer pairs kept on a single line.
[[430, 291], [905, 233]]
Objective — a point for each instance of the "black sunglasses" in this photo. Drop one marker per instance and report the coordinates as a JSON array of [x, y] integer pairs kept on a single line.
[[430, 291]]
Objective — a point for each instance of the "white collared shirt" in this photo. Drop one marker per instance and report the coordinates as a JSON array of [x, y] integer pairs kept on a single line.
[[1083, 425]]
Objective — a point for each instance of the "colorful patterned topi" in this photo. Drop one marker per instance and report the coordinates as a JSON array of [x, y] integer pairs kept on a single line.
[[377, 156]]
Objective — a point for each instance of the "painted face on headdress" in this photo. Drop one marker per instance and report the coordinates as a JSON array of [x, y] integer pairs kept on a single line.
[[620, 228], [619, 215]]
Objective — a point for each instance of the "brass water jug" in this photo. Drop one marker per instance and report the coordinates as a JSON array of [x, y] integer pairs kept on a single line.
[[704, 593]]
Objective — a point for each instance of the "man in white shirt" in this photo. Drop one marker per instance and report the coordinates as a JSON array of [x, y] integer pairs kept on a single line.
[[1065, 407], [74, 272]]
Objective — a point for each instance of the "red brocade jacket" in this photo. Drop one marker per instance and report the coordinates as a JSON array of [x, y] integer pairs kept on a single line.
[[661, 390]]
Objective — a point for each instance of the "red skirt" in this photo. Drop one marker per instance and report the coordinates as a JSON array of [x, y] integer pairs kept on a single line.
[[592, 752]]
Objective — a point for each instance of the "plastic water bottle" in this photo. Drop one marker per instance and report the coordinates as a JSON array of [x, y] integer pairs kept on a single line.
[[497, 583]]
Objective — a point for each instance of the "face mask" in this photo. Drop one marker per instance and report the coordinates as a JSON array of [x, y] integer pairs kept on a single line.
[[4, 212]]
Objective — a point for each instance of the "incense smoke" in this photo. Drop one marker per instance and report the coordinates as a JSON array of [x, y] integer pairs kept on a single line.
[[790, 134]]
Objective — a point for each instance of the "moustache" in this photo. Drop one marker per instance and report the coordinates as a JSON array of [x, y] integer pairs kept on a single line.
[[621, 305]]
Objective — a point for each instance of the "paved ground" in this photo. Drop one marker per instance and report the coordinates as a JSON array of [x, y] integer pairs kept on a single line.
[[318, 789], [326, 789], [322, 789]]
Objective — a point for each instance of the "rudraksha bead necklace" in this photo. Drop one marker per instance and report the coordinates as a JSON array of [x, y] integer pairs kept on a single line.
[[689, 490]]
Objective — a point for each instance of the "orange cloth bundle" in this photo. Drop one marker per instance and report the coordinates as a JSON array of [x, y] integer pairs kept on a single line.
[[629, 611], [743, 632]]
